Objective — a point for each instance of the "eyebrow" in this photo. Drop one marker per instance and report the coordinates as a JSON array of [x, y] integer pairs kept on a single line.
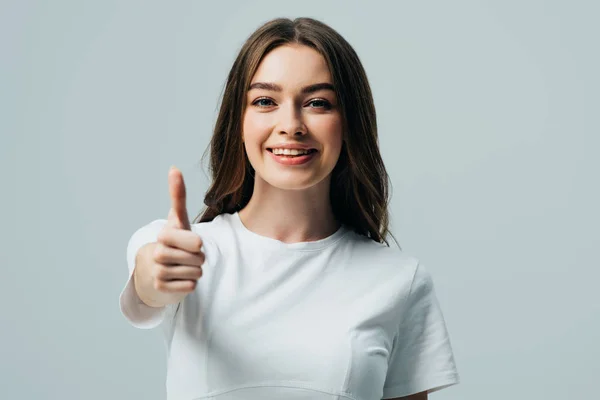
[[305, 90]]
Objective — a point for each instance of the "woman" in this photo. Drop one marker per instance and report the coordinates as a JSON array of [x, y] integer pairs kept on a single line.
[[286, 287]]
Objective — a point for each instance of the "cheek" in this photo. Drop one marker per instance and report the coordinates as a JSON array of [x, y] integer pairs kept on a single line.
[[255, 130], [330, 130]]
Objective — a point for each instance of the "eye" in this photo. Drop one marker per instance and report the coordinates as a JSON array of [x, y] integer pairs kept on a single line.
[[263, 102], [320, 103]]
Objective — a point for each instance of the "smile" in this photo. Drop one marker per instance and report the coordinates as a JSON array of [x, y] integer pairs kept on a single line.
[[292, 156]]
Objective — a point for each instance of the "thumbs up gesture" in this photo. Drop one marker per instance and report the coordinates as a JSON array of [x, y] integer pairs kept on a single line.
[[177, 256], [178, 217]]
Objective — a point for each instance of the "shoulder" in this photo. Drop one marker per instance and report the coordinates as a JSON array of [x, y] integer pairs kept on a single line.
[[380, 254], [218, 225], [216, 230], [146, 233], [388, 264], [219, 233]]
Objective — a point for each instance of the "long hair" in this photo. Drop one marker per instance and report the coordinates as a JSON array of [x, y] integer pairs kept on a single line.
[[359, 183]]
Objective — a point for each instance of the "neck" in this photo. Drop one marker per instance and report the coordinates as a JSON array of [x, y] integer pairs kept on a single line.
[[290, 216]]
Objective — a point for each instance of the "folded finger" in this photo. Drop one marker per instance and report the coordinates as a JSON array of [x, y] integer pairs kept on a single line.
[[173, 256]]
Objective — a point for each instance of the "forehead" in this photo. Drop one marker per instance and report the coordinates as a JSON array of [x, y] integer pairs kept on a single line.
[[291, 66]]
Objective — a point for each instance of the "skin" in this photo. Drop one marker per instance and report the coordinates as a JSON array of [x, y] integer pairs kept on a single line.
[[291, 203]]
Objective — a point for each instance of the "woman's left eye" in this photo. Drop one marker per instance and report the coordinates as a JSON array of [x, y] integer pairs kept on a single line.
[[320, 103]]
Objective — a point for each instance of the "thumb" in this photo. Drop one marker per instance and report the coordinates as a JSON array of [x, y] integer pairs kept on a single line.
[[178, 216]]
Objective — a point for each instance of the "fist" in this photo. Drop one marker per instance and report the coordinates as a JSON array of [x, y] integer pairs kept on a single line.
[[177, 257]]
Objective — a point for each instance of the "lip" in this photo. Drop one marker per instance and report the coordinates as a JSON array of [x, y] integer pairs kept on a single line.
[[297, 146], [298, 160]]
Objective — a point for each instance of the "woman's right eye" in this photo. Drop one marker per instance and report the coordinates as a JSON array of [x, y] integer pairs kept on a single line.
[[263, 102]]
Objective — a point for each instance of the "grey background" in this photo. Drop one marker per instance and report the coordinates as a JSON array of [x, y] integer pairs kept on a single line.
[[488, 115]]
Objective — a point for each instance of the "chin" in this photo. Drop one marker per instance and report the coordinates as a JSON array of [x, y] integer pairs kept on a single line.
[[294, 182], [291, 185]]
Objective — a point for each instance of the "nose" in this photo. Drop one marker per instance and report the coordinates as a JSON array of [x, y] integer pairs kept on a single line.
[[291, 121]]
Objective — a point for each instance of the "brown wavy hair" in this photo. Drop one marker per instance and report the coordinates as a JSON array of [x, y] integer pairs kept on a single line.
[[359, 190]]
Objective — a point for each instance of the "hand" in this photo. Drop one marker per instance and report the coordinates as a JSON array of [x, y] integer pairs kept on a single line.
[[177, 256]]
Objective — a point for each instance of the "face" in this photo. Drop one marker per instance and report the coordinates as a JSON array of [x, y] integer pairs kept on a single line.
[[292, 127]]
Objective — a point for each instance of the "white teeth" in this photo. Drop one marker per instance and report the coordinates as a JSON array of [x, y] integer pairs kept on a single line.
[[289, 152]]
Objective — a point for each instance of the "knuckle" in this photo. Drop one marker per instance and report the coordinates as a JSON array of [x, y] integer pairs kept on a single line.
[[158, 285], [164, 235], [159, 254], [162, 274]]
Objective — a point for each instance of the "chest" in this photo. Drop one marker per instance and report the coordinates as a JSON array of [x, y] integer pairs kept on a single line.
[[301, 326]]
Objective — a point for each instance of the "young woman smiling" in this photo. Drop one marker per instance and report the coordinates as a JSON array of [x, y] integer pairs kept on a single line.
[[285, 287]]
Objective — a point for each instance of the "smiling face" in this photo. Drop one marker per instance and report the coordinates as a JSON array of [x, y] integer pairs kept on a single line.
[[291, 104]]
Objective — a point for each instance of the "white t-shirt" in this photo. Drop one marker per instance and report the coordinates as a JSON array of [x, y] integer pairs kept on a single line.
[[341, 318]]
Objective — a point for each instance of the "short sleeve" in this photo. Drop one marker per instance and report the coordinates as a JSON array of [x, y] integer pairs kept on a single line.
[[421, 358], [137, 313]]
